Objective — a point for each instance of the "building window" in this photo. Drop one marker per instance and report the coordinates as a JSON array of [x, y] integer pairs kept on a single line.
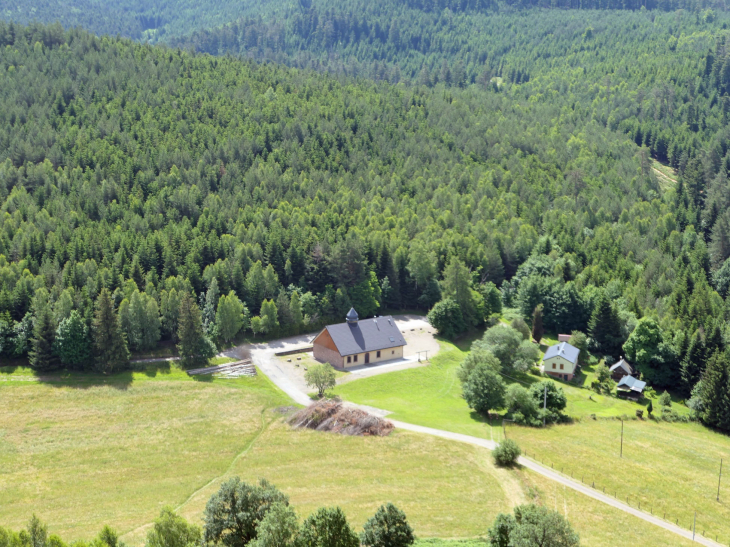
[[349, 359], [561, 366], [355, 358], [392, 352], [553, 365], [377, 354]]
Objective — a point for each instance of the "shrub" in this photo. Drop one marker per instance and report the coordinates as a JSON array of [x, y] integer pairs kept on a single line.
[[520, 326], [665, 399], [506, 453]]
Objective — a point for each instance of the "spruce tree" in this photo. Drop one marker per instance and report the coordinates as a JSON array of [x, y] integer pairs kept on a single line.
[[715, 394], [296, 311], [605, 327], [195, 347], [41, 355], [693, 362], [111, 353]]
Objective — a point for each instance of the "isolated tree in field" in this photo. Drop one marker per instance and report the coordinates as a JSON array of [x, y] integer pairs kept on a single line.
[[665, 399], [231, 316], [506, 453], [484, 389], [195, 348], [387, 528], [233, 514], [532, 526], [322, 377], [537, 329], [72, 343], [327, 527], [110, 346], [172, 530], [279, 528], [41, 355], [650, 408], [447, 319]]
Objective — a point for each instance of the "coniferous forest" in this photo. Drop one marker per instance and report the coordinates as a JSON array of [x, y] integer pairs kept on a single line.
[[268, 172]]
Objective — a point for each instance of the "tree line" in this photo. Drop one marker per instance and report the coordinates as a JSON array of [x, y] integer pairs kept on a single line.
[[242, 514]]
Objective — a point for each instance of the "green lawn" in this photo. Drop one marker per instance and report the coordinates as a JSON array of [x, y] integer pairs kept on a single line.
[[670, 468], [81, 451], [431, 396]]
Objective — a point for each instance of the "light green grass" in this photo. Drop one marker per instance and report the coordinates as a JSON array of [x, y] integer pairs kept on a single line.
[[670, 468], [432, 396]]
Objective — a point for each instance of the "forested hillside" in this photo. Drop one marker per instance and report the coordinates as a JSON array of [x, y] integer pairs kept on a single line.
[[138, 19], [146, 174]]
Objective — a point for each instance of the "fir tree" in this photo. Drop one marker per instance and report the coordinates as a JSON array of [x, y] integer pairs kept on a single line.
[[716, 393], [41, 355], [110, 346], [605, 326], [195, 348], [693, 362]]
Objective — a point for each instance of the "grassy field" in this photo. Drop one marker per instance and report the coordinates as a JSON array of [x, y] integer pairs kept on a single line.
[[83, 451], [670, 468], [431, 396]]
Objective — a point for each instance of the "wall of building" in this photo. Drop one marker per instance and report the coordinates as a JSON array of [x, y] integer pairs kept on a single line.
[[385, 355], [568, 367], [325, 355]]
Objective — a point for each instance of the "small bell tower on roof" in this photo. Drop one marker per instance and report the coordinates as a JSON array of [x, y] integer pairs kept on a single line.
[[352, 317]]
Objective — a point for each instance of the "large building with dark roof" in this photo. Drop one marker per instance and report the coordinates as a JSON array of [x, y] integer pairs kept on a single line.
[[357, 342]]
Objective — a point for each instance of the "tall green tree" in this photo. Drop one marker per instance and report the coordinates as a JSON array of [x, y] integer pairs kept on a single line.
[[110, 350], [42, 355], [231, 316], [327, 527], [195, 348], [72, 344], [605, 326]]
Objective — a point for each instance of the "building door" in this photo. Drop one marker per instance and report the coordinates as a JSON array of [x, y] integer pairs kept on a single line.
[[367, 358]]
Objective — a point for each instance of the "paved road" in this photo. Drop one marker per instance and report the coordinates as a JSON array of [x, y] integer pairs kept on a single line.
[[263, 356]]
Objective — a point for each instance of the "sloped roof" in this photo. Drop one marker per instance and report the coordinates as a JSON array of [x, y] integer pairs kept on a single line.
[[622, 364], [564, 350], [629, 383], [366, 335]]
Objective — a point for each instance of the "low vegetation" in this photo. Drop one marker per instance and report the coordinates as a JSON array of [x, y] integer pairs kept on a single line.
[[506, 453]]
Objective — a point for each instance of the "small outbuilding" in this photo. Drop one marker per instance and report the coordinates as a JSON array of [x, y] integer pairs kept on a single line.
[[357, 342], [630, 387], [621, 369], [561, 361]]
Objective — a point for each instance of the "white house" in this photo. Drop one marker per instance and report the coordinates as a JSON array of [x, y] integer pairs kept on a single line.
[[561, 360]]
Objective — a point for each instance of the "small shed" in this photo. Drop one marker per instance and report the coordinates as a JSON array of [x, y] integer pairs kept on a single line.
[[563, 337], [561, 361], [630, 387], [621, 369]]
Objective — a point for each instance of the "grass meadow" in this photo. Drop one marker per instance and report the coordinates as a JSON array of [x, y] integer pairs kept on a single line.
[[667, 467]]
